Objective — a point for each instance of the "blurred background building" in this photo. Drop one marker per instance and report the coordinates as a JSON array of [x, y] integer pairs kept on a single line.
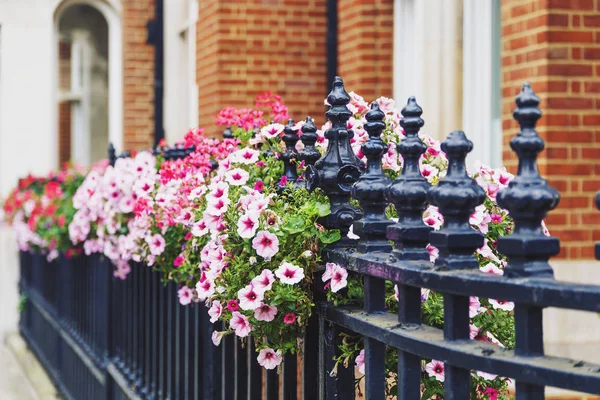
[[76, 74]]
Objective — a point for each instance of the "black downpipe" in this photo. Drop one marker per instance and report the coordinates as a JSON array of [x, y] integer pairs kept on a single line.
[[156, 38], [332, 43]]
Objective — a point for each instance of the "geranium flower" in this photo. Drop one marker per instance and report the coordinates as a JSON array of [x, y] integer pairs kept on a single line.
[[269, 359], [436, 369], [266, 244], [205, 289], [360, 361], [237, 177], [264, 281], [265, 312], [289, 318], [215, 311], [247, 225], [502, 305], [289, 273], [185, 295], [249, 298], [240, 324], [156, 243]]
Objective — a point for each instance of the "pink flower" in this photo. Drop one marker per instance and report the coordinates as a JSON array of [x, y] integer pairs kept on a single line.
[[265, 312], [289, 273], [269, 359], [283, 181], [496, 218], [474, 306], [237, 177], [246, 156], [486, 375], [240, 324], [232, 305], [429, 172], [178, 261], [491, 268], [217, 207], [264, 281], [434, 252], [217, 336], [329, 268], [249, 298], [424, 295], [185, 295], [156, 243], [289, 318], [266, 244], [272, 131], [259, 185], [502, 305], [492, 339], [491, 392], [205, 289], [360, 361], [339, 279], [215, 311], [247, 225], [436, 369]]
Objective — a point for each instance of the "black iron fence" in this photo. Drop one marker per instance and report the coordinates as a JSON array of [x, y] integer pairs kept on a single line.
[[103, 338]]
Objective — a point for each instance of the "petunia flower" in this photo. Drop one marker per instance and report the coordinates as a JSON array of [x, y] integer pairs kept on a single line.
[[289, 273], [360, 361], [249, 298], [247, 225], [289, 318], [185, 295], [217, 336], [237, 177], [339, 279], [156, 243], [269, 358], [205, 289], [266, 244], [474, 306], [240, 324], [435, 369], [264, 281], [491, 268], [232, 305], [502, 305], [265, 312], [215, 311]]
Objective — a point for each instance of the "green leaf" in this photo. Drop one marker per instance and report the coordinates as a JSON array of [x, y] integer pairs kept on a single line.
[[323, 209], [329, 236], [295, 224]]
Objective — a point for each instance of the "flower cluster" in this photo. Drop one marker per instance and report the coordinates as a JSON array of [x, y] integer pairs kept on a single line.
[[250, 118]]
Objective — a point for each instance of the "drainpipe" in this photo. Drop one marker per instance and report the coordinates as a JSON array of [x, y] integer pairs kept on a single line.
[[156, 38], [331, 43]]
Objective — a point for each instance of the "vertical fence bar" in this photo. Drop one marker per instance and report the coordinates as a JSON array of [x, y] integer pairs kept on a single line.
[[228, 379], [290, 377], [528, 200], [272, 384], [334, 384], [456, 195], [241, 369], [374, 349], [255, 373]]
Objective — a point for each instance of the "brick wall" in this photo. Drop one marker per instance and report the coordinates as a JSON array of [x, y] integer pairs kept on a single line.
[[365, 50], [138, 75], [555, 44], [247, 47]]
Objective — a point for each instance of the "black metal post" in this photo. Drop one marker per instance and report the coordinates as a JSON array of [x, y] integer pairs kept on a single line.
[[156, 38]]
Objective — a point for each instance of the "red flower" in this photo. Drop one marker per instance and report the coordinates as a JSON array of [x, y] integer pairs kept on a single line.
[[178, 261], [289, 318], [232, 305]]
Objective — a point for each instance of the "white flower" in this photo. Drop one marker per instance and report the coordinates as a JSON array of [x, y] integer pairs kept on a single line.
[[215, 311], [249, 298], [289, 273], [264, 281], [247, 225], [269, 359], [240, 324], [502, 305], [237, 177]]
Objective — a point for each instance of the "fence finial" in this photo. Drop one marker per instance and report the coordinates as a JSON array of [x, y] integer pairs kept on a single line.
[[112, 154], [339, 168], [456, 195], [370, 188], [227, 133], [309, 138], [528, 198], [408, 192], [290, 138]]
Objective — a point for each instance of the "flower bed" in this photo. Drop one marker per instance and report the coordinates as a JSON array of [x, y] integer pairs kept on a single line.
[[237, 232]]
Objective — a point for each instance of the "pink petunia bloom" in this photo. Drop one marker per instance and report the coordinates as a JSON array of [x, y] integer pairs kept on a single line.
[[215, 311], [259, 185], [205, 289], [283, 181], [271, 131], [264, 281], [217, 336], [496, 218], [156, 243], [491, 392], [185, 295], [502, 305], [424, 294], [237, 177], [217, 207], [249, 298], [178, 261], [266, 244], [247, 225], [269, 359], [289, 273], [434, 252], [265, 312], [491, 268], [289, 318], [429, 172], [246, 156], [360, 361], [329, 268], [486, 375], [240, 324], [474, 306], [339, 279], [232, 305], [436, 369]]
